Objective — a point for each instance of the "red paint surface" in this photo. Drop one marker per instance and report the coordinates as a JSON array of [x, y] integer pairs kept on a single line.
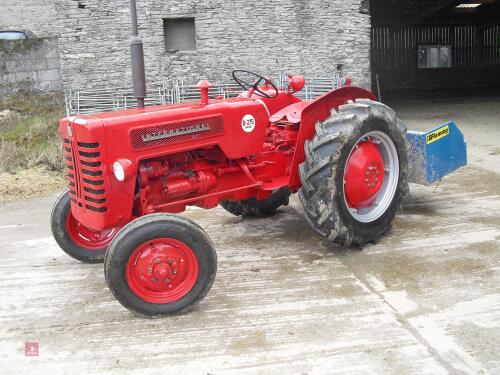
[[90, 239]]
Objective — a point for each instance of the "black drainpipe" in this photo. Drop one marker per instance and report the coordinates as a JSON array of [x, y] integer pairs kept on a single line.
[[137, 59]]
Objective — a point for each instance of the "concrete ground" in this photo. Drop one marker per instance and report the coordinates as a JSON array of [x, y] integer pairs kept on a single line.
[[424, 300]]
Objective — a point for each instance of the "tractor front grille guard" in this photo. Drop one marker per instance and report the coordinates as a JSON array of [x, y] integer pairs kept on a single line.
[[85, 175]]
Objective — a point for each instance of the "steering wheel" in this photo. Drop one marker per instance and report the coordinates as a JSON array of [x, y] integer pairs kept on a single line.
[[254, 87]]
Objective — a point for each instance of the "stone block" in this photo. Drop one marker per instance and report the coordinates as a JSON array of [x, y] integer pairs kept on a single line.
[[23, 76], [53, 63], [14, 66], [9, 78], [37, 64], [56, 86], [44, 86], [48, 75]]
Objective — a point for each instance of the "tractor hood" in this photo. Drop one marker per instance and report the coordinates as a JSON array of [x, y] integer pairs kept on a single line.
[[94, 142]]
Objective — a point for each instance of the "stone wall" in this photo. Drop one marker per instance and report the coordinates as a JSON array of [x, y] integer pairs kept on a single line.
[[29, 64], [301, 36], [37, 16]]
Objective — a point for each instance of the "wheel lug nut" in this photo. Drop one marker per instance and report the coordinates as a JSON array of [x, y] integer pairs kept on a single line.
[[174, 271], [154, 279], [150, 269], [170, 261], [167, 281]]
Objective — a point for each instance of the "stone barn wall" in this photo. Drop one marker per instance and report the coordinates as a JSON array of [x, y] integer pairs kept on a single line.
[[29, 64], [301, 36]]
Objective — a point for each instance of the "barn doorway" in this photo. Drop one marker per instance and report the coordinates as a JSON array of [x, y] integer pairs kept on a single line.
[[434, 46]]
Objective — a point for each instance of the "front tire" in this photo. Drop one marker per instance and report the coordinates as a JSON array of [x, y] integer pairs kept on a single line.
[[355, 173], [79, 242], [160, 264]]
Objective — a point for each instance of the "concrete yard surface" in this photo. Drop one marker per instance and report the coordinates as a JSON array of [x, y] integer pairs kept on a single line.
[[425, 299]]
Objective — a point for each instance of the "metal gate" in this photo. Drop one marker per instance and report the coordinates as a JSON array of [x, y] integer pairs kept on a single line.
[[94, 100]]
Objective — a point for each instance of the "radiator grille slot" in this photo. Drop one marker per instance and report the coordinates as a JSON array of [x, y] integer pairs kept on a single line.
[[95, 200], [94, 191], [88, 145], [91, 173], [91, 182], [91, 163], [176, 132], [90, 154], [96, 209]]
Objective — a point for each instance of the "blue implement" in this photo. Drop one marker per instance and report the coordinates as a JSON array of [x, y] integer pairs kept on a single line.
[[436, 153]]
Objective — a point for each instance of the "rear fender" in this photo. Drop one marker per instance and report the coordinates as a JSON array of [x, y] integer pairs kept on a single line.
[[319, 110]]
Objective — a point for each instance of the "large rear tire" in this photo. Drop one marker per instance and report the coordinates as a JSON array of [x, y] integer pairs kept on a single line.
[[258, 208], [79, 242], [160, 264], [354, 177]]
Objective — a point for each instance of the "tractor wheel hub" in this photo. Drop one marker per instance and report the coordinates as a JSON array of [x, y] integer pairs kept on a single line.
[[364, 175], [162, 270]]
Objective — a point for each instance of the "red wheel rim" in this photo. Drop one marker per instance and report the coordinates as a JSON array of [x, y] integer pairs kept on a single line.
[[87, 238], [162, 270], [364, 175]]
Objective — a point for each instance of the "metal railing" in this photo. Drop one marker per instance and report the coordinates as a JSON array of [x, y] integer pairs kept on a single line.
[[96, 100], [314, 87]]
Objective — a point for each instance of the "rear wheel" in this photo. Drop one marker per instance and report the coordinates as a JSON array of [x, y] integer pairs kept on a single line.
[[258, 208], [160, 265], [78, 241], [355, 174]]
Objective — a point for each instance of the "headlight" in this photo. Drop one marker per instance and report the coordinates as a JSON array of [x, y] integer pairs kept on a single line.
[[119, 171]]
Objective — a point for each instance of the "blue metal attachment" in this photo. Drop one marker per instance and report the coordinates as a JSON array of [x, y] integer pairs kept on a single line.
[[436, 153]]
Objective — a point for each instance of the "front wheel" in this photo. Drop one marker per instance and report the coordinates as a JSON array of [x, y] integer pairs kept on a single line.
[[355, 173], [82, 243], [160, 265]]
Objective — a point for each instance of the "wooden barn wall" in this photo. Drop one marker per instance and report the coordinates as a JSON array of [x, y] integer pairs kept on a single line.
[[475, 55]]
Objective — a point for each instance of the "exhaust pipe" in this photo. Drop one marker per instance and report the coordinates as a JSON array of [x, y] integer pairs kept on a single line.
[[137, 59]]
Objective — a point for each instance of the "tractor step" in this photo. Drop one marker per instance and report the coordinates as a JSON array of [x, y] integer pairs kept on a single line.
[[436, 153]]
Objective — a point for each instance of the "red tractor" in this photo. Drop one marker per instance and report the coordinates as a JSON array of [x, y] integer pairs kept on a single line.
[[345, 154], [129, 171]]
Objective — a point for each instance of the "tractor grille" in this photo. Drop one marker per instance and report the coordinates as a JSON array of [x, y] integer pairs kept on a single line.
[[85, 175], [176, 132]]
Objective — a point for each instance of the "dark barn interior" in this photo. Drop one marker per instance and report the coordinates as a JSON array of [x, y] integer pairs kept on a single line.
[[435, 46]]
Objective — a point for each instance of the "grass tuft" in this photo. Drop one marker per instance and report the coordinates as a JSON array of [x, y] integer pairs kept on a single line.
[[31, 158], [29, 132]]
